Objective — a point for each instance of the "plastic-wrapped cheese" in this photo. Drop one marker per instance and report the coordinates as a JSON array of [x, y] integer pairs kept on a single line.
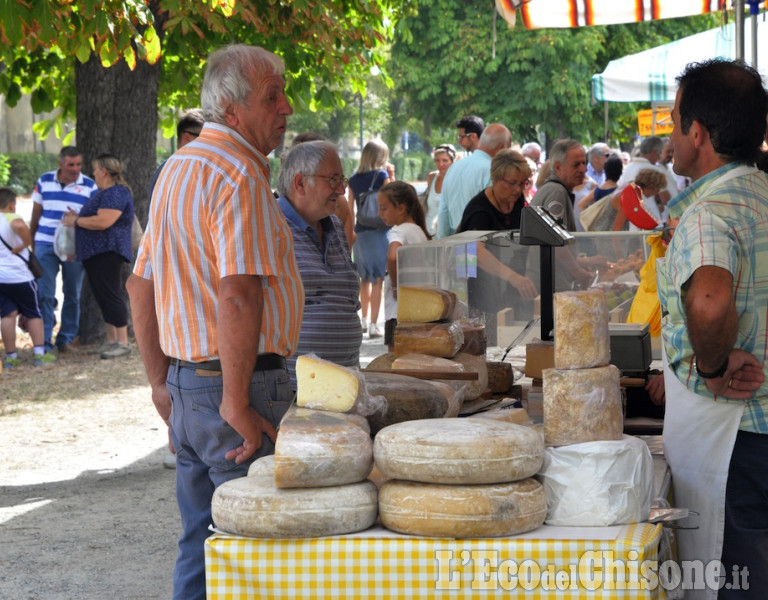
[[406, 399], [598, 484], [435, 339], [475, 338], [254, 506], [474, 364], [327, 386], [458, 451], [581, 329], [582, 405], [508, 414], [424, 304], [317, 448], [462, 511]]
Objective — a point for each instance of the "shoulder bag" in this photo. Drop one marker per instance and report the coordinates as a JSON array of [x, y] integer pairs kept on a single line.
[[33, 263], [368, 207], [593, 212]]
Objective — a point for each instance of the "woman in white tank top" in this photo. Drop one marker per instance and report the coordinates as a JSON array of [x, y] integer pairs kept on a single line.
[[443, 155]]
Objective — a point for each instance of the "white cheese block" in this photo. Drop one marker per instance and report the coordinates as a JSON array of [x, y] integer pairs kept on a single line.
[[458, 451], [462, 511], [406, 399], [582, 405], [424, 304], [327, 386], [319, 448], [435, 339], [254, 506], [582, 339], [598, 484]]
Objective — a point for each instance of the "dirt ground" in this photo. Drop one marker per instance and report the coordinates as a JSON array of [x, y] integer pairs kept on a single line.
[[87, 509]]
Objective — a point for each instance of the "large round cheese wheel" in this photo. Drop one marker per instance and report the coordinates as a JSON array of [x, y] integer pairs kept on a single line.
[[458, 451], [462, 511], [254, 506], [317, 448]]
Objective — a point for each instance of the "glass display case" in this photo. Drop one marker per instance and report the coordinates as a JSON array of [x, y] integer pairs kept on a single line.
[[464, 263]]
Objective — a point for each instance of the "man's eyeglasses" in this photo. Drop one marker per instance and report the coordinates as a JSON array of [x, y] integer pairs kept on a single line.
[[521, 184], [334, 180], [462, 135]]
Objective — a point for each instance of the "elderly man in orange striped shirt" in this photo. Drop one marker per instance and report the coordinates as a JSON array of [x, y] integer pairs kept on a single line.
[[216, 294]]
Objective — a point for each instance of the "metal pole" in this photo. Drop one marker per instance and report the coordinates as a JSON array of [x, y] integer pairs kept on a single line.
[[754, 9], [739, 20]]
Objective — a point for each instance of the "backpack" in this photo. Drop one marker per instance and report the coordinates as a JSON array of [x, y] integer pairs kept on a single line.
[[368, 207]]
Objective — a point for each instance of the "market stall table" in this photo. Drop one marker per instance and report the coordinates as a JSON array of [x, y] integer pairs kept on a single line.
[[549, 562]]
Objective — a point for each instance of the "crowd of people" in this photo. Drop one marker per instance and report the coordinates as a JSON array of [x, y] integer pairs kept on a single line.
[[233, 280]]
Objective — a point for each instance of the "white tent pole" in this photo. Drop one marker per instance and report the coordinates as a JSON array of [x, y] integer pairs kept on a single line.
[[739, 20]]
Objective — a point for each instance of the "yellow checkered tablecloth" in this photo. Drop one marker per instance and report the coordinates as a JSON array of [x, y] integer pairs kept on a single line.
[[545, 563]]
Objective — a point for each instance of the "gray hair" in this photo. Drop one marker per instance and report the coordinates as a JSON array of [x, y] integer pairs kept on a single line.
[[650, 144], [560, 150], [231, 75], [597, 149], [528, 146], [304, 159]]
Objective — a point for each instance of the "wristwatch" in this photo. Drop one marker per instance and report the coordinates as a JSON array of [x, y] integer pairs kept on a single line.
[[715, 375]]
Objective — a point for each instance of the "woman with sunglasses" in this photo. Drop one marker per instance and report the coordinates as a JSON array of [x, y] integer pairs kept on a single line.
[[500, 284], [443, 155]]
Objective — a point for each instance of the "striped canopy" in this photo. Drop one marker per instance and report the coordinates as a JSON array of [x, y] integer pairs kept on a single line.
[[649, 76], [537, 14]]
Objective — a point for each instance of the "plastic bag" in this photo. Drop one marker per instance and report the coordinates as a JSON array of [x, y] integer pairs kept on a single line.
[[646, 307], [598, 484], [64, 242]]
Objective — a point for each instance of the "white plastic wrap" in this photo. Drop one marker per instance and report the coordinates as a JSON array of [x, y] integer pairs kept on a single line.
[[435, 339], [597, 484]]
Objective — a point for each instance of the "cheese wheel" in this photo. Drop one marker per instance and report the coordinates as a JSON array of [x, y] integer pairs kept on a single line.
[[425, 362], [462, 511], [582, 339], [254, 506], [509, 414], [263, 467], [424, 304], [473, 364], [435, 339], [458, 451], [475, 338], [319, 448], [327, 386], [383, 362], [582, 405], [406, 399]]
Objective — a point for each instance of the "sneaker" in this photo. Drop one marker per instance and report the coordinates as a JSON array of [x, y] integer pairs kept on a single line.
[[10, 363], [45, 359], [364, 323], [373, 331], [116, 351], [169, 462], [100, 348], [67, 349]]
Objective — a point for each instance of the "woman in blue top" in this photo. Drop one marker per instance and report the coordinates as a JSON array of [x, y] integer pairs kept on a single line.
[[371, 244], [103, 243]]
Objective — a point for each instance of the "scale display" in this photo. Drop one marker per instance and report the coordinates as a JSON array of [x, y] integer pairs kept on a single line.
[[539, 228]]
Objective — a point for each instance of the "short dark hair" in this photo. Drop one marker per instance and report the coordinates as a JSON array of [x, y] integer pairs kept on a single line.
[[471, 124], [613, 168], [7, 195], [69, 152], [728, 98], [191, 121]]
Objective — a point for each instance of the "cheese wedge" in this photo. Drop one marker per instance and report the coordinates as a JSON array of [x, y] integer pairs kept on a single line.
[[327, 386], [424, 304]]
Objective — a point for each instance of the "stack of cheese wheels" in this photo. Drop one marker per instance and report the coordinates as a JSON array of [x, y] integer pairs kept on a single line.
[[316, 483], [460, 478], [582, 395], [428, 332]]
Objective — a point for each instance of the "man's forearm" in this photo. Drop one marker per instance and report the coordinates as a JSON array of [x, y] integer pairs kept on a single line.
[[142, 296]]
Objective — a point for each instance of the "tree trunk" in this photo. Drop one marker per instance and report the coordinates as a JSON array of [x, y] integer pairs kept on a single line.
[[116, 114]]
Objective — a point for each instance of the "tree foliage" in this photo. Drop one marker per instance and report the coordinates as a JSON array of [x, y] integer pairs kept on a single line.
[[455, 58]]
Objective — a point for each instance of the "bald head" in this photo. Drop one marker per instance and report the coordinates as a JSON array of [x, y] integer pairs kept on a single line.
[[495, 137]]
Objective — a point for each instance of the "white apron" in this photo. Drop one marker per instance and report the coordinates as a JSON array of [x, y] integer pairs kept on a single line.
[[699, 435]]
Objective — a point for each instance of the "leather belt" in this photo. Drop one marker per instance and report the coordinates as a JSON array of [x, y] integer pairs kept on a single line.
[[264, 362]]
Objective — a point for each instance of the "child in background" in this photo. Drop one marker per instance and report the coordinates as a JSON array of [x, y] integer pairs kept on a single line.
[[399, 208], [18, 288]]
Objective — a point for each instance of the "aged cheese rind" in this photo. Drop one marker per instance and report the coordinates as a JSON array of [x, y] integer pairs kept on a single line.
[[473, 364], [263, 467], [406, 399], [458, 451], [424, 304], [582, 339], [582, 405], [462, 511], [510, 415], [254, 506], [324, 385], [319, 449], [475, 338], [435, 339], [501, 377]]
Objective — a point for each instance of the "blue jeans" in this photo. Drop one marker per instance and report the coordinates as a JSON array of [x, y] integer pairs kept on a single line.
[[201, 439], [71, 283]]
